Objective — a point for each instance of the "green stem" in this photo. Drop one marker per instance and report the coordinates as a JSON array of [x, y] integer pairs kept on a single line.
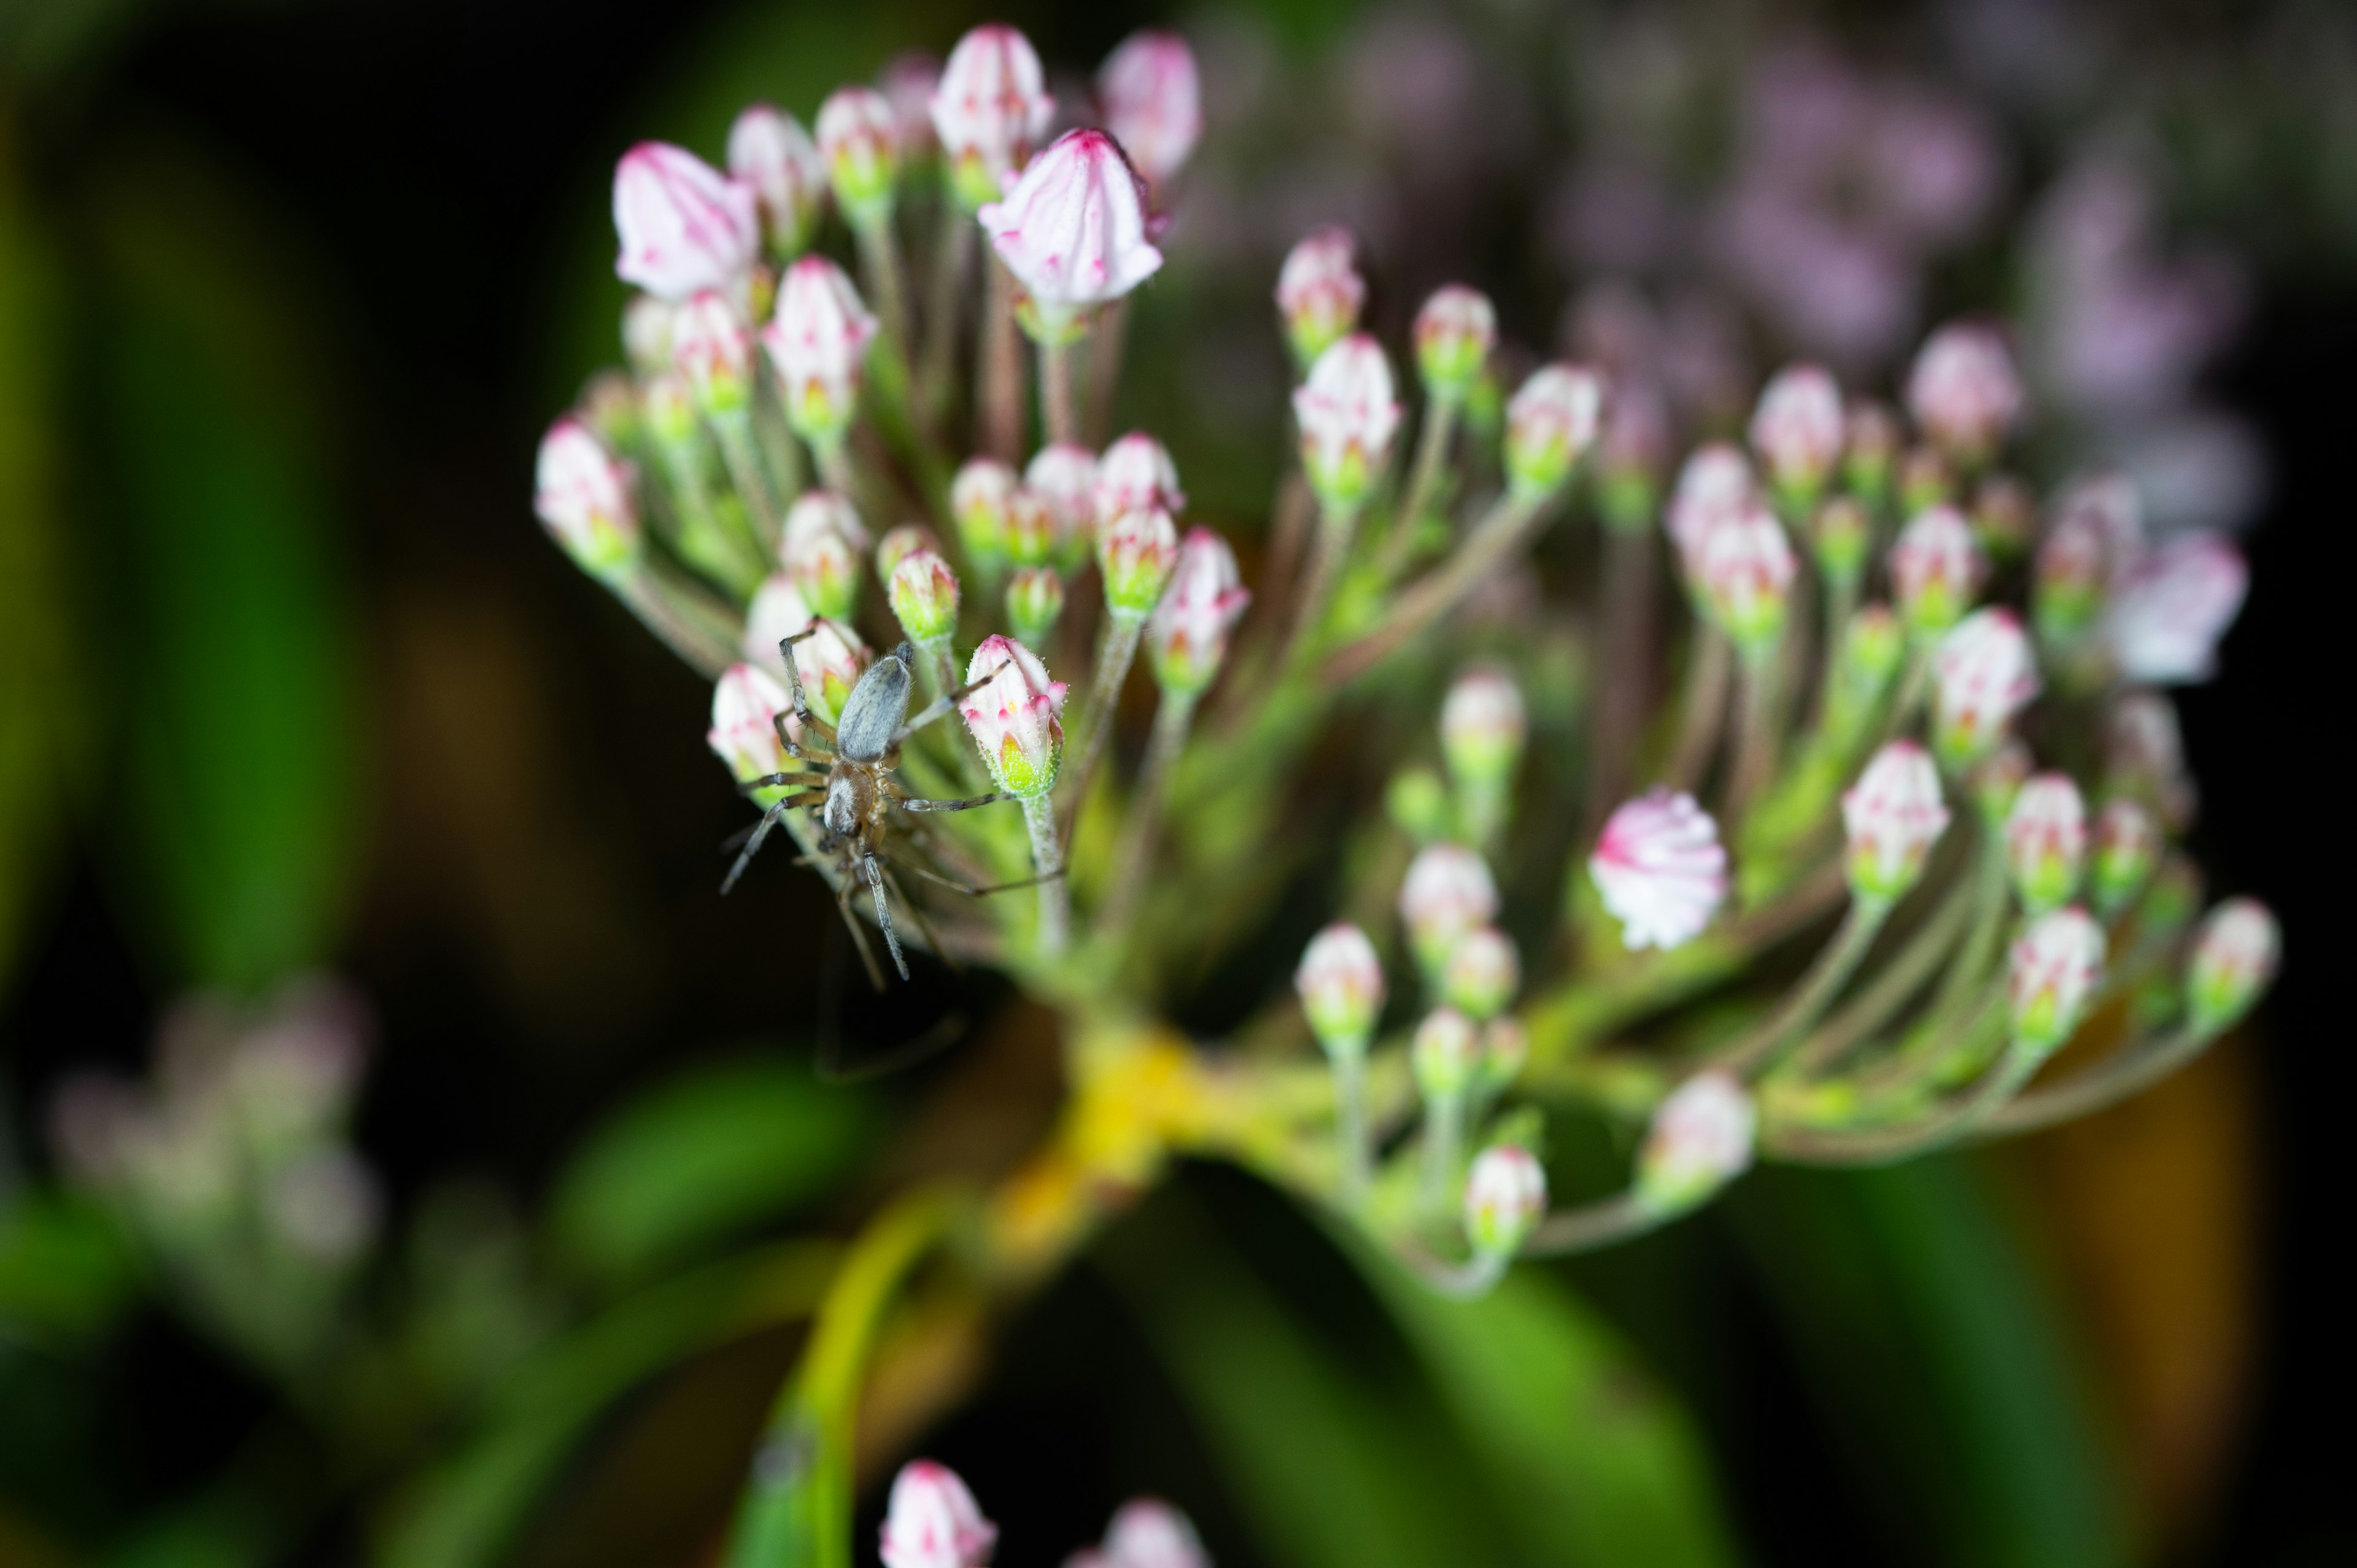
[[1703, 709], [1423, 478], [952, 256], [1047, 861], [1591, 1225], [1116, 651], [1945, 1125], [684, 614], [1624, 664], [1989, 887], [1496, 540], [1889, 990], [886, 279], [1444, 1142], [1349, 1069], [999, 401], [1326, 553], [1756, 734], [1173, 717], [1106, 343], [734, 432], [1831, 971], [2125, 1072]]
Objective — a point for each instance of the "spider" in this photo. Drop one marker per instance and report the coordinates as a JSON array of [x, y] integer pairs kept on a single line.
[[859, 754]]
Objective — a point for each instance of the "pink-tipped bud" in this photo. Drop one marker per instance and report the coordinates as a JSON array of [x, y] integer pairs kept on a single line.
[[1798, 429], [1936, 569], [1700, 1140], [1444, 1055], [1963, 392], [1035, 603], [1448, 892], [1188, 636], [1320, 293], [979, 499], [1030, 528], [1551, 422], [820, 549], [1660, 869], [1483, 727], [583, 495], [1073, 230], [2075, 566], [990, 109], [898, 544], [713, 347], [1348, 416], [668, 401], [1482, 974], [1505, 1193], [1926, 479], [924, 594], [746, 703], [1136, 554], [932, 1521], [1147, 1532], [1715, 482], [818, 341], [1744, 568], [1983, 673], [1341, 983], [2052, 976], [1014, 717], [1454, 334], [684, 226], [1893, 815], [768, 150], [2046, 841], [830, 662], [2234, 959], [2128, 846], [1631, 455], [1152, 102], [1064, 477], [1135, 474], [1870, 443], [2172, 608], [858, 136]]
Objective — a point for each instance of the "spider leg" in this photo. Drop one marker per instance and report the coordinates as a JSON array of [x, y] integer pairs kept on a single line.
[[858, 937], [800, 750], [932, 937], [917, 803], [752, 787], [769, 819], [811, 721], [974, 892], [944, 704], [884, 911]]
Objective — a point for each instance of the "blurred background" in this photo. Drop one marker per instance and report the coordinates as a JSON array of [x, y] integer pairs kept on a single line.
[[392, 1116]]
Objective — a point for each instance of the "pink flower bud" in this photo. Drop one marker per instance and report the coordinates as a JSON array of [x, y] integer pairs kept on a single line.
[[1839, 536], [2234, 959], [2076, 563], [908, 82], [2128, 846], [819, 343], [713, 347], [684, 226], [2046, 841], [1744, 567], [1030, 528], [1963, 392], [1893, 815], [1447, 892], [1870, 443], [1320, 293], [1936, 569], [1013, 717], [769, 151], [1505, 1193], [1551, 422], [1700, 1140], [1137, 473], [990, 110], [1715, 482], [1798, 431], [820, 549], [1632, 455], [2143, 756], [746, 702], [1035, 603], [979, 499], [1188, 636], [1147, 1532], [932, 1521], [858, 136], [1483, 727], [1152, 104], [583, 497], [830, 662], [899, 543], [1073, 228], [1348, 416], [646, 334], [1341, 983], [1482, 974], [1136, 554], [2172, 608], [2052, 976], [1444, 1054], [1983, 673], [924, 594], [1454, 334], [1926, 479], [1064, 477], [1661, 869], [668, 402]]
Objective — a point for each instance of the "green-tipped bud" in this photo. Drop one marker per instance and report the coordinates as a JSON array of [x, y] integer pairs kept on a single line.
[[583, 496], [901, 543], [1893, 815], [1035, 603], [2234, 957], [1483, 728], [1995, 783], [1840, 534], [1136, 554], [859, 138], [924, 594], [1346, 415], [1505, 1047], [1936, 569], [1870, 452], [979, 497], [2046, 841], [2004, 517], [1418, 802], [1550, 425], [1926, 480]]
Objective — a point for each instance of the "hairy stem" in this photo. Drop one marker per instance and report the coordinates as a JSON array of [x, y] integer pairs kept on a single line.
[[1105, 345], [1173, 717], [1047, 861]]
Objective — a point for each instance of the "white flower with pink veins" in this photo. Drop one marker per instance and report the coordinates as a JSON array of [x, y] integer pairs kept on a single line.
[[1661, 869], [1073, 228], [2171, 608]]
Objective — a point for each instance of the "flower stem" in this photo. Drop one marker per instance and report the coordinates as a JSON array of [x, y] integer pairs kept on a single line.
[[1058, 410], [2128, 1071], [1105, 345], [1115, 652], [886, 279], [1047, 860], [1756, 735], [1444, 1140], [1331, 548], [999, 404], [1172, 719], [1591, 1225], [1493, 542], [684, 614], [735, 435], [1831, 971], [1424, 477], [1626, 663], [1703, 709], [952, 256], [1891, 986]]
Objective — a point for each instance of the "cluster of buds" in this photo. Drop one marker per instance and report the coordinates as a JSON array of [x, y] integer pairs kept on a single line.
[[932, 1521]]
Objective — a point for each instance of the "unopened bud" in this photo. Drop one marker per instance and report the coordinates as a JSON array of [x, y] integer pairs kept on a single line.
[[1632, 455], [1072, 231], [1983, 673], [1797, 430], [1030, 528], [1341, 983], [989, 109], [683, 225], [1996, 782], [1840, 534], [1700, 1140], [2143, 756], [899, 543], [1187, 638], [1965, 392], [1136, 554], [830, 660], [819, 549], [646, 334], [932, 1521], [768, 150], [1660, 869], [1035, 603], [1505, 1047], [1550, 425], [1926, 480], [1482, 974], [1483, 727], [1744, 568], [1348, 416], [2046, 841], [979, 497], [1505, 1193], [1715, 482], [1147, 1532], [2127, 846], [2004, 516], [858, 136], [1135, 474], [924, 594], [610, 407], [1063, 476], [1152, 101], [818, 341], [1014, 717], [1454, 334], [1445, 1053], [1870, 452], [668, 402], [2234, 959], [1936, 569], [909, 81], [713, 347], [1448, 891], [2171, 609], [1320, 293], [583, 496], [746, 703], [2052, 976], [1893, 815], [1417, 802], [2074, 567]]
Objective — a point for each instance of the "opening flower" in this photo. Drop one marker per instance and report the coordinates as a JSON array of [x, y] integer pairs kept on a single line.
[[684, 226], [1073, 228], [1661, 869]]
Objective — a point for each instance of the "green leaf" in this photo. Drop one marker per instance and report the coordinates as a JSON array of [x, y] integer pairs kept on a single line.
[[700, 1159], [64, 1270], [1939, 1359]]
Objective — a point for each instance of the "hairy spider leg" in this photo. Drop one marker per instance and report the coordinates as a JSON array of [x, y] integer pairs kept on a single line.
[[908, 802], [972, 892], [797, 750], [944, 702], [883, 909], [858, 938], [769, 819], [752, 787], [811, 721]]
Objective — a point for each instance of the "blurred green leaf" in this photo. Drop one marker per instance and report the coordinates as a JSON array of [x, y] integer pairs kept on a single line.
[[701, 1158], [227, 606], [64, 1270], [1939, 1360]]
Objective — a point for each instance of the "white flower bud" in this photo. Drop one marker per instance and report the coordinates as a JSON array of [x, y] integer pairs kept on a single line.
[[1893, 815], [1661, 869], [1505, 1193], [1700, 1140]]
